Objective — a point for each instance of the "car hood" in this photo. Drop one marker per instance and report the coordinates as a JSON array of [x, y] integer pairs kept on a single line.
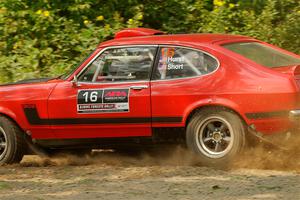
[[27, 81], [27, 90]]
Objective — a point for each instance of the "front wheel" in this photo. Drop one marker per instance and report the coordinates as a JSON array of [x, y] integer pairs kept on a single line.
[[12, 144], [216, 136]]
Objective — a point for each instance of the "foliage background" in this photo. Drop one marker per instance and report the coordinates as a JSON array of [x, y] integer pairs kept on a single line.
[[44, 38]]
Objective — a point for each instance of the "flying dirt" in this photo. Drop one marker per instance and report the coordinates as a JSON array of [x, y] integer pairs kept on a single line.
[[260, 173]]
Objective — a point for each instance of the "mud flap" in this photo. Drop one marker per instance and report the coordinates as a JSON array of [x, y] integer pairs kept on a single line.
[[34, 148], [265, 140]]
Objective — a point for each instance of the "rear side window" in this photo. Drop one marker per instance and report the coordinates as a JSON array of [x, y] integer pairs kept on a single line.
[[263, 54], [177, 62]]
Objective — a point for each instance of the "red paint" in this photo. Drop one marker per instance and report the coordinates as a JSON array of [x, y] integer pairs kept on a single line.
[[238, 84], [134, 32], [115, 94]]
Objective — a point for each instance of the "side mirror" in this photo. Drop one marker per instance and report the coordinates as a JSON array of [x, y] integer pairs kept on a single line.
[[75, 82]]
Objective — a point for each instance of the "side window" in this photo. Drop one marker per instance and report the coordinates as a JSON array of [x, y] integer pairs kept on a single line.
[[120, 64], [176, 62]]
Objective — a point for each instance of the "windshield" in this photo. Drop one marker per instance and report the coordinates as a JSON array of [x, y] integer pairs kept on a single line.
[[263, 54], [74, 67]]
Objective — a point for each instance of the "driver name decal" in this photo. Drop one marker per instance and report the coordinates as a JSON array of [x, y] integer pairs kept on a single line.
[[103, 100]]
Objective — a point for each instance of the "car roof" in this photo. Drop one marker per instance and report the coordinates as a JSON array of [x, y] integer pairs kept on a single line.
[[194, 39]]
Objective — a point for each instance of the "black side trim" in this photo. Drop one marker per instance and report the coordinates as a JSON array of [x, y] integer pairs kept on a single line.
[[34, 119], [167, 119], [263, 115]]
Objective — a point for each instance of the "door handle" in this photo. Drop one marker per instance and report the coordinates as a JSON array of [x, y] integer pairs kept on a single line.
[[139, 87]]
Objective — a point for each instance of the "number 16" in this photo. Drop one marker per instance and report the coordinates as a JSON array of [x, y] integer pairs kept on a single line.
[[93, 96]]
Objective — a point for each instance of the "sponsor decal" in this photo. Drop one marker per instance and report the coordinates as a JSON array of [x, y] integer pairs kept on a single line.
[[103, 101], [169, 62], [175, 63]]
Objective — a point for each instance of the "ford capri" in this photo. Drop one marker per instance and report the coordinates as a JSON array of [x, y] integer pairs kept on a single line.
[[208, 91]]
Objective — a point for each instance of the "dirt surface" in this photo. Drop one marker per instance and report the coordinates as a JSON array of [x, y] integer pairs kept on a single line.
[[259, 174]]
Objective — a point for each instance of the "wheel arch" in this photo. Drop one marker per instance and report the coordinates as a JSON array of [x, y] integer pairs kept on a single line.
[[231, 108], [10, 115]]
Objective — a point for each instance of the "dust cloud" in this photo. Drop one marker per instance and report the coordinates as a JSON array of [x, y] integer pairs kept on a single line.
[[285, 156], [171, 155], [260, 156], [171, 172]]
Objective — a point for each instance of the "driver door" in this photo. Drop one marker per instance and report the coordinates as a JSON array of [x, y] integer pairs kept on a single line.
[[111, 99]]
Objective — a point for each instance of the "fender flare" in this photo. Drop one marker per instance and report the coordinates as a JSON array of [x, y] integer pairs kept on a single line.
[[11, 115], [210, 102]]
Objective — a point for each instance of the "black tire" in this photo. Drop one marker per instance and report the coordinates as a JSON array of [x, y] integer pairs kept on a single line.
[[13, 138], [216, 136]]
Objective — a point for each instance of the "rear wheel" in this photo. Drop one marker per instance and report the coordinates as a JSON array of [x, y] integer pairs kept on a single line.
[[216, 136], [12, 144]]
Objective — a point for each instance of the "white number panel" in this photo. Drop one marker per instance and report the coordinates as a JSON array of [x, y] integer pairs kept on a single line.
[[103, 100]]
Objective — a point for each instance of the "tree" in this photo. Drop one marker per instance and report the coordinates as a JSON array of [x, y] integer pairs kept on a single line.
[[46, 37]]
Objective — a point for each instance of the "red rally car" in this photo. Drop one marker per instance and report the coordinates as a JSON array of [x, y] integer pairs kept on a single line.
[[210, 90]]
